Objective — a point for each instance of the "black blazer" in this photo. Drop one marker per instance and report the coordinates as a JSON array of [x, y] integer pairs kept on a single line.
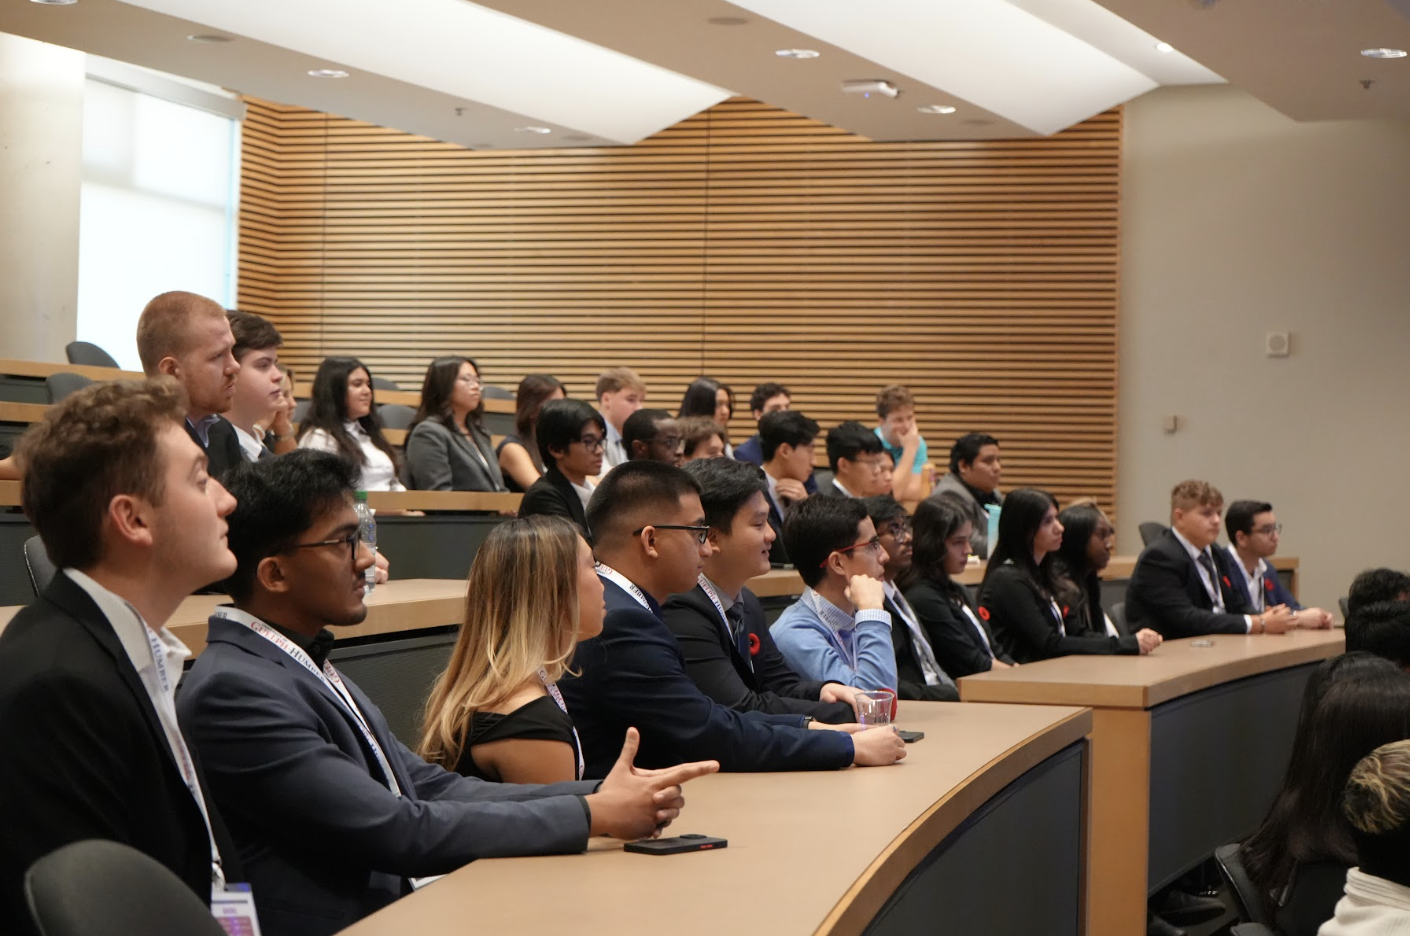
[[778, 553], [553, 495], [633, 675], [958, 649], [1024, 625], [909, 675], [223, 452], [713, 661], [832, 490], [1168, 595], [84, 755]]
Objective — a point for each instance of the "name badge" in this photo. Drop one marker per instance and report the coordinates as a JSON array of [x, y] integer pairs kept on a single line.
[[234, 909]]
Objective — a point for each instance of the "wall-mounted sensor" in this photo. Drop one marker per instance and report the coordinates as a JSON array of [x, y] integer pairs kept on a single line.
[[1277, 344]]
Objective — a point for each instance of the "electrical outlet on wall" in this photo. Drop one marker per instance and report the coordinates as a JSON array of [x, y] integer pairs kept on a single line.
[[1277, 344]]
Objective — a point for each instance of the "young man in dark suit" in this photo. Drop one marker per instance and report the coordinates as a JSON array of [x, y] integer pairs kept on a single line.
[[186, 336], [257, 406], [787, 438], [857, 460], [919, 675], [332, 814], [1253, 531], [121, 497], [720, 624], [650, 539], [766, 398], [570, 436], [1184, 587], [653, 434]]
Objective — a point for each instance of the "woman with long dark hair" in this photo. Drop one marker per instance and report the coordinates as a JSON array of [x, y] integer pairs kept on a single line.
[[1075, 569], [342, 419], [940, 549], [448, 448], [519, 458], [708, 397], [1019, 599], [1298, 858]]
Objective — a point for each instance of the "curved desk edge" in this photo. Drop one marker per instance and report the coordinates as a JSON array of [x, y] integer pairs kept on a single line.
[[859, 906]]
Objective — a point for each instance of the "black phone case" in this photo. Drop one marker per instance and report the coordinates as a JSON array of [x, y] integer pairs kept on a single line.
[[675, 846], [910, 736]]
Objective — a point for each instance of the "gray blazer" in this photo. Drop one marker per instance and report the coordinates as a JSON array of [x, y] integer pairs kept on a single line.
[[440, 459], [304, 798], [951, 484]]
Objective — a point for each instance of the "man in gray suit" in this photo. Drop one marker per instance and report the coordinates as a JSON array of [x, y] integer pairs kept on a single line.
[[976, 467], [333, 815]]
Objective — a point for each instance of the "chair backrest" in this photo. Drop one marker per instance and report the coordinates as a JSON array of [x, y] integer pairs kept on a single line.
[[1246, 902], [41, 570], [396, 415], [491, 392], [85, 352], [101, 888], [382, 383], [1150, 531], [1345, 604], [301, 408], [1118, 617], [58, 386]]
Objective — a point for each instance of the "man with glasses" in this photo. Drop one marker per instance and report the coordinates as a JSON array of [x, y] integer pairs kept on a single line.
[[651, 541], [334, 816], [570, 435], [1253, 538], [839, 629], [858, 462], [653, 434]]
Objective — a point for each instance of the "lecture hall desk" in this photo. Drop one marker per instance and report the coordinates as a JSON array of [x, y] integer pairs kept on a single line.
[[1189, 746]]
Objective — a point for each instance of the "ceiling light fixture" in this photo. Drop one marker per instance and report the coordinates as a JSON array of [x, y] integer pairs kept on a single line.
[[936, 109], [57, 2], [1164, 47], [1384, 53], [797, 53], [866, 88], [327, 73], [209, 39], [533, 129]]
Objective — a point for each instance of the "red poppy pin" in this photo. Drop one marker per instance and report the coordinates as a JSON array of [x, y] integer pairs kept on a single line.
[[1267, 584], [1227, 583], [984, 612], [753, 645], [1064, 610]]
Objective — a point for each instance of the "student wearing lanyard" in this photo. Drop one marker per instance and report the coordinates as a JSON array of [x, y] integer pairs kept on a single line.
[[121, 497], [1019, 600], [650, 538], [496, 712], [941, 548], [333, 815], [720, 625], [1253, 539]]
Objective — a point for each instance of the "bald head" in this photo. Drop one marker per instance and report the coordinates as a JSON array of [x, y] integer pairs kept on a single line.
[[186, 336], [167, 326]]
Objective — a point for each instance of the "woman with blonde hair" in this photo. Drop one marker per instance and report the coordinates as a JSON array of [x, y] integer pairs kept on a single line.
[[496, 712]]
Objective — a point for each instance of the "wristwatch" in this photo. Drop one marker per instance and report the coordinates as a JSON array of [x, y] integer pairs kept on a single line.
[[807, 721]]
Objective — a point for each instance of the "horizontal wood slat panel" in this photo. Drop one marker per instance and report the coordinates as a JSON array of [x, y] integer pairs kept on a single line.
[[747, 243]]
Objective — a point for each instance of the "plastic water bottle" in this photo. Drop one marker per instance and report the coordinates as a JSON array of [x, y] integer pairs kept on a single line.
[[368, 526]]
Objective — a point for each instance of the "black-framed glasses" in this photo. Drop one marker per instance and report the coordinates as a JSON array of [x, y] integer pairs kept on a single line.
[[352, 541], [874, 544], [1270, 529], [702, 533], [592, 443], [899, 531]]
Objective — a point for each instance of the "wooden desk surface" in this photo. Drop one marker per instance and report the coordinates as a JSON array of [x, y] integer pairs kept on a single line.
[[1176, 668], [444, 500], [44, 369], [809, 853]]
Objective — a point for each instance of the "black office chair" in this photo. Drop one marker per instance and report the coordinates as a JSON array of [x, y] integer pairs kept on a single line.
[[102, 888], [491, 392], [85, 352], [1150, 531], [36, 560], [301, 408], [58, 386], [382, 383], [1345, 604], [1246, 902], [1118, 617], [1252, 929], [396, 415]]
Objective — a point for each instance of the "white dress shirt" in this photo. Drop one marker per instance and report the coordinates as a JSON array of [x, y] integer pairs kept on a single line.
[[378, 471], [251, 446], [1254, 579], [613, 452]]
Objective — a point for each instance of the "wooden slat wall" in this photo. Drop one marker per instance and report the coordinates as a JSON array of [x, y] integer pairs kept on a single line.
[[746, 243]]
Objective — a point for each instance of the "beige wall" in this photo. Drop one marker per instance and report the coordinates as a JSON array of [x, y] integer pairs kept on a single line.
[[41, 167], [1237, 222]]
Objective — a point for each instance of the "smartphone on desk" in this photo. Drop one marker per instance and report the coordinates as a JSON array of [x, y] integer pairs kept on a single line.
[[676, 845], [910, 737]]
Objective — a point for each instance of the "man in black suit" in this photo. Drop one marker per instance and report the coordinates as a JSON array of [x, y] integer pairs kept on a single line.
[[258, 404], [1182, 587], [332, 815], [570, 435], [186, 336], [786, 439], [653, 434], [650, 539], [720, 625], [858, 463], [92, 750], [919, 674]]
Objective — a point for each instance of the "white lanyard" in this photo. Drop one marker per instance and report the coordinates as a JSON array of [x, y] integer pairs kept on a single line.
[[1057, 616], [183, 759], [977, 626], [624, 583], [333, 682], [920, 644], [714, 597], [552, 688]]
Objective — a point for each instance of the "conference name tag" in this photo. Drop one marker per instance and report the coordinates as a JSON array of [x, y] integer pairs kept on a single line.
[[234, 909]]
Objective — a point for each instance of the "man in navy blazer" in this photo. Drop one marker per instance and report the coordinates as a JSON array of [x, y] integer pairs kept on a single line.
[[1253, 538], [1183, 586], [332, 814], [650, 541]]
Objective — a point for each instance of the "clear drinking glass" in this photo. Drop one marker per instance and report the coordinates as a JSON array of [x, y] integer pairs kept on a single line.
[[874, 708]]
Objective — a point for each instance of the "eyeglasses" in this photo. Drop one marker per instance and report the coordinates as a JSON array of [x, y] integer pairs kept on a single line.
[[469, 381], [352, 541], [670, 442], [874, 544], [702, 533], [899, 531], [592, 443], [875, 465], [1270, 529]]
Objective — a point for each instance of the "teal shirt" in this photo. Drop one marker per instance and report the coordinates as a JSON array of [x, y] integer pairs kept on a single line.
[[895, 451]]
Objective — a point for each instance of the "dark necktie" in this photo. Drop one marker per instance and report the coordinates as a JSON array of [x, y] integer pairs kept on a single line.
[[1208, 563], [737, 630]]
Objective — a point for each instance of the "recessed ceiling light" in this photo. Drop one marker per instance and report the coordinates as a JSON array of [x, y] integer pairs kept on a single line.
[[797, 53], [209, 39], [57, 2], [1383, 53], [1164, 47], [533, 130], [327, 73], [727, 21], [936, 109]]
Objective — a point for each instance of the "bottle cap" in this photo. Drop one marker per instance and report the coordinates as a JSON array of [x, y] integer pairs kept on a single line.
[[360, 496]]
